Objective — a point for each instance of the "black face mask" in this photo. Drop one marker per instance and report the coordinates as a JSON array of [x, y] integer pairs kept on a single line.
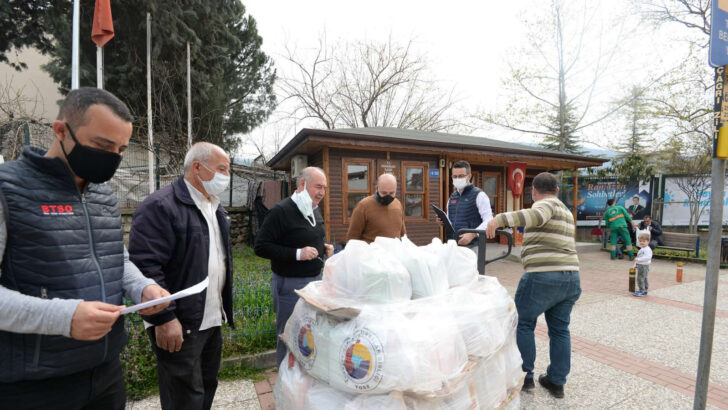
[[92, 164], [384, 200]]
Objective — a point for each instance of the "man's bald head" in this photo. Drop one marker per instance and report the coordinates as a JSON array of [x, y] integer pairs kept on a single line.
[[387, 185]]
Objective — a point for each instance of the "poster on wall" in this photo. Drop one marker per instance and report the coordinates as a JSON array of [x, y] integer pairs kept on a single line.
[[593, 195], [676, 208]]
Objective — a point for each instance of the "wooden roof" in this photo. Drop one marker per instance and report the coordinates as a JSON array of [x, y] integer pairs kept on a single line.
[[471, 148]]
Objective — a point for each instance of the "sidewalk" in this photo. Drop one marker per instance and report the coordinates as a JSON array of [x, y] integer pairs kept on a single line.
[[627, 352]]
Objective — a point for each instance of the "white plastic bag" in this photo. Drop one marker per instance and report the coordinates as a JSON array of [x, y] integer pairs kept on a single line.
[[460, 263], [428, 275], [323, 397], [292, 384], [382, 351], [366, 273]]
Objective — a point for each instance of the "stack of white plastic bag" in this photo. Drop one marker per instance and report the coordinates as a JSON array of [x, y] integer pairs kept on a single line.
[[423, 336]]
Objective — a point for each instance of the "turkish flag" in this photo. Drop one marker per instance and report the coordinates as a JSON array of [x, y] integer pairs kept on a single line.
[[516, 177], [103, 28]]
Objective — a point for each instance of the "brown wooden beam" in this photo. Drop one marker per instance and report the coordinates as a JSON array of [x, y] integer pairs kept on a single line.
[[327, 202]]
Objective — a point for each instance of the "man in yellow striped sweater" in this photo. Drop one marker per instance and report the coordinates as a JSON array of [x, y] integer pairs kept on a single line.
[[551, 283]]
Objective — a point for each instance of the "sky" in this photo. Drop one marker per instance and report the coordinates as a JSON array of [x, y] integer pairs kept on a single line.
[[468, 45]]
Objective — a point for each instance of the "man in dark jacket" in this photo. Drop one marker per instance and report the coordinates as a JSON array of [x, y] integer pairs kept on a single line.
[[655, 229], [179, 237], [293, 238], [64, 265]]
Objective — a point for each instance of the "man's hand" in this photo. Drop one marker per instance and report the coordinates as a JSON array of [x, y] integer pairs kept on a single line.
[[152, 292], [649, 227], [329, 250], [490, 229], [466, 238], [92, 320], [309, 253], [169, 336]]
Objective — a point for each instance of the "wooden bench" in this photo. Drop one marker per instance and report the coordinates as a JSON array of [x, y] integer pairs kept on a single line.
[[688, 242]]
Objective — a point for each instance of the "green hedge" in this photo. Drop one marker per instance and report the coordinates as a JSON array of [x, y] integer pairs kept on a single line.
[[254, 332]]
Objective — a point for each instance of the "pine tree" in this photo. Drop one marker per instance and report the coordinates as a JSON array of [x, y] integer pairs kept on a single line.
[[562, 127]]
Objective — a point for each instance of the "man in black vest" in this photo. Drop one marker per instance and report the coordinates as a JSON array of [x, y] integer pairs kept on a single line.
[[64, 265], [179, 236], [468, 206]]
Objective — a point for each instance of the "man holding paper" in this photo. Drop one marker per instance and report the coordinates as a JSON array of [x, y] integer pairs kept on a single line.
[[64, 265], [180, 237]]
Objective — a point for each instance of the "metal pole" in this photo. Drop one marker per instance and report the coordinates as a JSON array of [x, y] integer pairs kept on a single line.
[[150, 135], [74, 45], [711, 284], [100, 67], [189, 99], [232, 177], [717, 186]]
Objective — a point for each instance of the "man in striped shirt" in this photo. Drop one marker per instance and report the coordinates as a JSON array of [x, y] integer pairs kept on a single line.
[[551, 283]]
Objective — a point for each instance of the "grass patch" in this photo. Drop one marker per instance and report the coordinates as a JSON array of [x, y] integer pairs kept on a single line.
[[239, 371], [254, 332]]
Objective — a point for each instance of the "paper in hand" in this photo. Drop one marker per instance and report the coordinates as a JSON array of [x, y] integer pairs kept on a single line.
[[181, 294]]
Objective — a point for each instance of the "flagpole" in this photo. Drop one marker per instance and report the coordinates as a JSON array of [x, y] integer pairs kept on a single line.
[[189, 100], [149, 103], [100, 67], [74, 45]]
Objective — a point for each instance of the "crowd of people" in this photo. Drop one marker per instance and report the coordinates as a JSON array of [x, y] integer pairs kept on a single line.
[[65, 266]]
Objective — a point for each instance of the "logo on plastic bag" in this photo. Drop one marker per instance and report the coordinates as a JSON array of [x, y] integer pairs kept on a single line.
[[306, 343], [362, 357]]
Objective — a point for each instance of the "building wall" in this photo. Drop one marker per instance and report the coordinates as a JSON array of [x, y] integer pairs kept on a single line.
[[419, 231], [39, 93]]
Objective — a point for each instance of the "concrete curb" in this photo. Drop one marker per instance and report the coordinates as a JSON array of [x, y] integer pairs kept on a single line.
[[264, 360]]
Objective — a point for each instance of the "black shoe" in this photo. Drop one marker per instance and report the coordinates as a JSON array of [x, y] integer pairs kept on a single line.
[[528, 384], [631, 257], [621, 256], [556, 391]]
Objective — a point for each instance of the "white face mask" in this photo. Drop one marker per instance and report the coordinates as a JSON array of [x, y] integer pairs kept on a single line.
[[460, 183], [217, 185], [305, 204]]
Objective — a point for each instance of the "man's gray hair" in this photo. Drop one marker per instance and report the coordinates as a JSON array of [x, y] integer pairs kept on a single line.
[[200, 151], [307, 174]]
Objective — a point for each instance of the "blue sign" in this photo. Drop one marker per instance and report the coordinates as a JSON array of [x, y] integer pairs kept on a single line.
[[434, 173], [719, 33]]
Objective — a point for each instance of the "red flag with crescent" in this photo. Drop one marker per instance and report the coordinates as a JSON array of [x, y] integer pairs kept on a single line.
[[103, 27], [516, 177]]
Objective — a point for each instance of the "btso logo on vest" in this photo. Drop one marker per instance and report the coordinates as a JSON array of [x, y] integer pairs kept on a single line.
[[57, 210]]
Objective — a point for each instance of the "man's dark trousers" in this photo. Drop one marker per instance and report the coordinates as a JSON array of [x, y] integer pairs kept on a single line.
[[188, 378], [100, 388], [284, 300]]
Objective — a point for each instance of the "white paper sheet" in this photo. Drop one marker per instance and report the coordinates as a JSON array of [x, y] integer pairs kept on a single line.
[[181, 294]]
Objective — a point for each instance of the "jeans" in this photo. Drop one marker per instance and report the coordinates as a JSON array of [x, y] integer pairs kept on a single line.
[[554, 294], [100, 388], [284, 300], [642, 283], [188, 378]]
